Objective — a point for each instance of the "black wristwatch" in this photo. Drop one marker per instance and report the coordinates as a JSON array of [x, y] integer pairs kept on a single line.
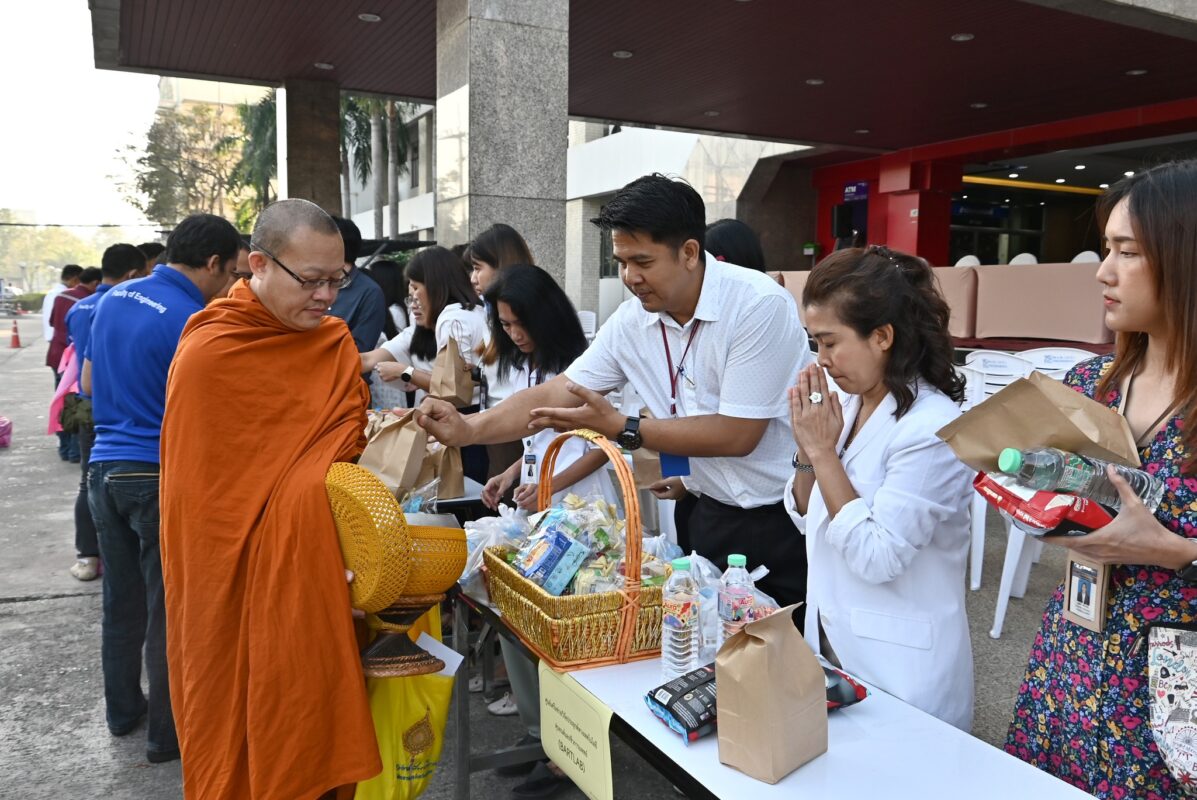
[[1188, 574], [408, 374], [630, 438]]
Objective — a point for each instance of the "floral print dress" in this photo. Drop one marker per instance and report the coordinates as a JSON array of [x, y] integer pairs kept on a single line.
[[1083, 708]]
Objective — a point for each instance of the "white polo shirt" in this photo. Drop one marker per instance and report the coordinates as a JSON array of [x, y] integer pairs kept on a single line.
[[748, 351]]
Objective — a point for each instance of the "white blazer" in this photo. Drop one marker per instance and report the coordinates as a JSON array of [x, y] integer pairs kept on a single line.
[[886, 575]]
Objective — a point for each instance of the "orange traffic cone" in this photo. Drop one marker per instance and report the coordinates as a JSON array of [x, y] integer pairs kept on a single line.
[[16, 337]]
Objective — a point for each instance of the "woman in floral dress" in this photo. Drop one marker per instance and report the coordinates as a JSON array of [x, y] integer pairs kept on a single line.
[[1083, 709]]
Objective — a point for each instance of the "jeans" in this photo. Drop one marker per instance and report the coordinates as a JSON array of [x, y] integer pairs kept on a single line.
[[86, 545], [123, 496]]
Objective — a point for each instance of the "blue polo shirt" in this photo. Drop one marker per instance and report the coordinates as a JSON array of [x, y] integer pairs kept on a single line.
[[134, 334], [78, 321]]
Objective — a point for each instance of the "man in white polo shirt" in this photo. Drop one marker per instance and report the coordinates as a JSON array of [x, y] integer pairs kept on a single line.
[[711, 348]]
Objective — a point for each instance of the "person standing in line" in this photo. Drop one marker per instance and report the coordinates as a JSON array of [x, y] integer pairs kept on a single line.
[[711, 349], [134, 333], [89, 278], [360, 303], [120, 263], [153, 252], [68, 279]]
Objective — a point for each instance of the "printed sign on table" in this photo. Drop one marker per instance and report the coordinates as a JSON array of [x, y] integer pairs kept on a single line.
[[574, 728]]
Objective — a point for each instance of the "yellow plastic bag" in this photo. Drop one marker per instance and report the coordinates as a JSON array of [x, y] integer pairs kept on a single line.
[[409, 721]]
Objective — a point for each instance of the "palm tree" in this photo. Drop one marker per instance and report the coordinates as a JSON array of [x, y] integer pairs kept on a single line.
[[378, 145], [397, 144], [355, 145], [258, 165]]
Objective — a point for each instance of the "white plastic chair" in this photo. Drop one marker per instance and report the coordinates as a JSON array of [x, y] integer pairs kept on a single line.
[[1085, 257], [968, 261], [1056, 361], [997, 369], [974, 393], [1024, 258], [589, 322]]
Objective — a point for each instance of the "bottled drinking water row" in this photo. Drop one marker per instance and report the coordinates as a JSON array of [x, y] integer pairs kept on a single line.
[[680, 628]]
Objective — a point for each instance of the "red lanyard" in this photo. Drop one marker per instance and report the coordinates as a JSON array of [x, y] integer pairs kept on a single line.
[[675, 374]]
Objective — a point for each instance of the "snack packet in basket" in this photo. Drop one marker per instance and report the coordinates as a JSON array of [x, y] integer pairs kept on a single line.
[[550, 559]]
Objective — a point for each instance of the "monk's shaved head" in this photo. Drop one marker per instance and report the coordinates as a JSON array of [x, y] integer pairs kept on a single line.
[[280, 220]]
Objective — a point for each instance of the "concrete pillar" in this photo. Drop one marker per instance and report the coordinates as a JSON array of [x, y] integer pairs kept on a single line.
[[309, 142], [501, 122]]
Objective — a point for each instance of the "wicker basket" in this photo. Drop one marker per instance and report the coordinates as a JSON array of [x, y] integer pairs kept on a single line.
[[580, 631]]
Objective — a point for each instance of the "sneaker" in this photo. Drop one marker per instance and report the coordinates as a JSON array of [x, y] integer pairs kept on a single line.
[[86, 569], [504, 707], [476, 684]]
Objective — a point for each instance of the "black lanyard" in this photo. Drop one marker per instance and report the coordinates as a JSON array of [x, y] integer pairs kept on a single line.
[[675, 374]]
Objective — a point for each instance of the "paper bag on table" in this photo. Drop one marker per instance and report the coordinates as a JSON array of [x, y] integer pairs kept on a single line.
[[395, 451], [444, 463], [772, 699], [452, 378], [1039, 412]]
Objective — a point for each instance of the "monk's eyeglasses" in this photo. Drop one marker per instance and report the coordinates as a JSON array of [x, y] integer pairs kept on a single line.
[[308, 285]]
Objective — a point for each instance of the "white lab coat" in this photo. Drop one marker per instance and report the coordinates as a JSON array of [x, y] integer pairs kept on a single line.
[[887, 574]]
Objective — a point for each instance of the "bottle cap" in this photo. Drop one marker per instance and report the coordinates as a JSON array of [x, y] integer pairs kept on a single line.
[[1010, 461], [681, 563], [736, 560]]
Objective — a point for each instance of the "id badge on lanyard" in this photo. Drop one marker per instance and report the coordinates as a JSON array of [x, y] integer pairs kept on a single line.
[[676, 466]]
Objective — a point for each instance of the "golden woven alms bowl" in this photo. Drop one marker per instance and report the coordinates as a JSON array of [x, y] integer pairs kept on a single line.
[[438, 558], [375, 541]]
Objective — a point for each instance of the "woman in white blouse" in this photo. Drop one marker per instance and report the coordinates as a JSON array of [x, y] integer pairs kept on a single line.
[[884, 504], [444, 306], [537, 334]]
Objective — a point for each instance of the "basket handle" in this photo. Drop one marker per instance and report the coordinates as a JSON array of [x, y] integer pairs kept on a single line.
[[632, 527]]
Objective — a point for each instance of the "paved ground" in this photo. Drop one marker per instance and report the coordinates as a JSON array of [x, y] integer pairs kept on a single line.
[[53, 742]]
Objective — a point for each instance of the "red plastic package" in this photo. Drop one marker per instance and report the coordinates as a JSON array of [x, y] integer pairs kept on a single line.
[[1042, 513]]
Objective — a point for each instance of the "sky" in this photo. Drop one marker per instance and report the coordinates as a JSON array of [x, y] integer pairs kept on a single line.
[[65, 120]]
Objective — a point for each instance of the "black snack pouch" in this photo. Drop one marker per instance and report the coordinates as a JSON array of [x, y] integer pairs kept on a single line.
[[687, 704]]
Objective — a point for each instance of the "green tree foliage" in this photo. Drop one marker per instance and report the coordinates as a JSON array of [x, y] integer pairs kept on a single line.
[[183, 168], [257, 163]]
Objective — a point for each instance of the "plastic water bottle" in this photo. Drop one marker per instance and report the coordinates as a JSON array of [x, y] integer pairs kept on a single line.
[[735, 597], [679, 625], [1052, 470]]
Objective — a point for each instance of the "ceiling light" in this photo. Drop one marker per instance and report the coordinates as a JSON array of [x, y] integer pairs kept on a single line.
[[323, 65], [862, 131], [1059, 180], [814, 81], [1079, 166], [622, 54], [1013, 174], [710, 113], [1129, 173], [962, 37], [1042, 203], [978, 105], [1135, 73], [1007, 200], [963, 197], [369, 18], [1103, 186]]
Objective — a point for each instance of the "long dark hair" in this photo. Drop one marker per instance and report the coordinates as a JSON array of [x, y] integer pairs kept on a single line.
[[1162, 204], [876, 286], [546, 314], [500, 246], [733, 241], [445, 282], [389, 277]]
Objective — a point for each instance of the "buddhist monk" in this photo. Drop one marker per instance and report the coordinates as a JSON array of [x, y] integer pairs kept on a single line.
[[264, 394]]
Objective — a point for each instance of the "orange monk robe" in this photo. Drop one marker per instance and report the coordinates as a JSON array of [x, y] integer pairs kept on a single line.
[[265, 680]]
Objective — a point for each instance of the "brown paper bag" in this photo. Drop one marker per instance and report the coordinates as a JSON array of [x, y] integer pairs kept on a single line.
[[772, 699], [444, 463], [452, 378], [395, 451], [1039, 412], [646, 467]]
